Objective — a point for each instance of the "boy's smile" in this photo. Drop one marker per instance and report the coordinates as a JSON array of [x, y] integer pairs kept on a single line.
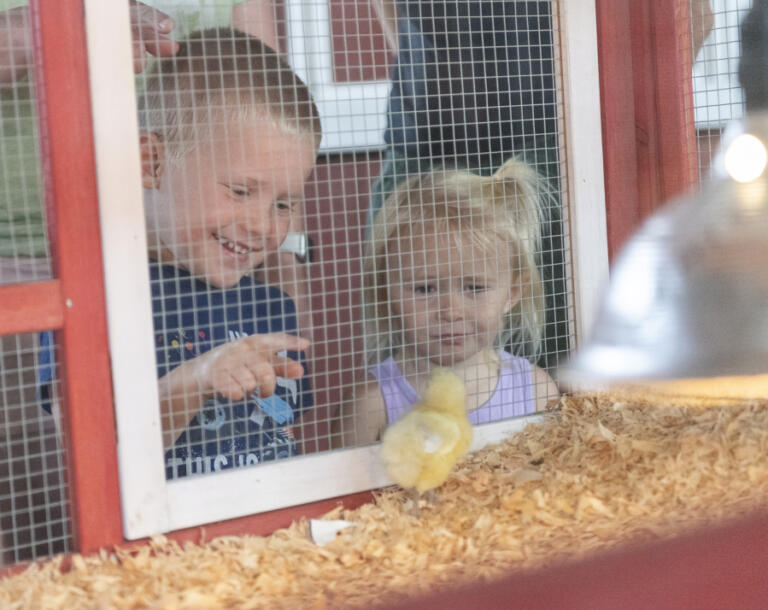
[[230, 201], [237, 249]]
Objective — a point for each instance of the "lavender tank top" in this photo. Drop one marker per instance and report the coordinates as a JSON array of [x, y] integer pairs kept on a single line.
[[513, 395]]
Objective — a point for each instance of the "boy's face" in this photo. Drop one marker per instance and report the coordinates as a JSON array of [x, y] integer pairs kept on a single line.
[[449, 298], [230, 202]]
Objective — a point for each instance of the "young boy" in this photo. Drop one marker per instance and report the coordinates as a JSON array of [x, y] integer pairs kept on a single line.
[[229, 135]]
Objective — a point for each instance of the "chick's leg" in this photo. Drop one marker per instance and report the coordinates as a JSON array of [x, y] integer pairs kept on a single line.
[[415, 498], [431, 496]]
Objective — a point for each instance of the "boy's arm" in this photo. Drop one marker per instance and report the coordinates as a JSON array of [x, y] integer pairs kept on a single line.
[[544, 388], [233, 370], [362, 416], [182, 395]]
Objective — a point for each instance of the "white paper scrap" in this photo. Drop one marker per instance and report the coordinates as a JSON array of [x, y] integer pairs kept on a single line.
[[322, 532]]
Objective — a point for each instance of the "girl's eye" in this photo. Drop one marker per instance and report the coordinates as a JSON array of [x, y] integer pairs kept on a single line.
[[475, 288], [424, 289], [283, 205]]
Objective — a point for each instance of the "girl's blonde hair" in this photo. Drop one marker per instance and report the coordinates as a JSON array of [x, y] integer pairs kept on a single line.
[[505, 208]]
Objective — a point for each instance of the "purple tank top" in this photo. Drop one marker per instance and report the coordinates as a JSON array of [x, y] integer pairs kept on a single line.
[[513, 395]]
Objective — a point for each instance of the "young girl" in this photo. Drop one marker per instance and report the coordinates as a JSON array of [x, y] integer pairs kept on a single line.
[[450, 280]]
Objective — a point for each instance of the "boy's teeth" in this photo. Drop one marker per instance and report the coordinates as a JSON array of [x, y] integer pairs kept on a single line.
[[228, 243]]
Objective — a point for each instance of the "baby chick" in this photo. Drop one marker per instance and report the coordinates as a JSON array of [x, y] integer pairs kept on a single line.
[[420, 450]]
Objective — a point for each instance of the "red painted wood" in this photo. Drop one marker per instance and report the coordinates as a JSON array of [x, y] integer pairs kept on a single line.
[[72, 202], [360, 50], [642, 37], [649, 147], [618, 120], [720, 567], [677, 159], [26, 308]]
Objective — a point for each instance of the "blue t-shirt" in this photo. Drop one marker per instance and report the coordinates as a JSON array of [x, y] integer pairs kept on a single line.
[[472, 79], [190, 318]]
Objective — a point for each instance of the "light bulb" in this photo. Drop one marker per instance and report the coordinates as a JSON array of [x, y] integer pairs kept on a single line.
[[746, 158]]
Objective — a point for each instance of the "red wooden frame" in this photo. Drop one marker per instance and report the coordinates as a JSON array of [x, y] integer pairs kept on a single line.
[[71, 195], [649, 145], [73, 304], [31, 307]]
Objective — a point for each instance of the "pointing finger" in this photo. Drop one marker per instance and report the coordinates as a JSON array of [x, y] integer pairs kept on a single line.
[[276, 342]]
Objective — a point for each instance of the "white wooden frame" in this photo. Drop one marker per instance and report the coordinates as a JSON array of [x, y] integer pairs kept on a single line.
[[353, 114], [150, 503]]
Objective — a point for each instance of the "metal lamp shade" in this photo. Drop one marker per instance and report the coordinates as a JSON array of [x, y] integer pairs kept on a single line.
[[688, 296]]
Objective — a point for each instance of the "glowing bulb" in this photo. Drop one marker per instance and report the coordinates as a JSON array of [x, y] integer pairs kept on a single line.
[[746, 158]]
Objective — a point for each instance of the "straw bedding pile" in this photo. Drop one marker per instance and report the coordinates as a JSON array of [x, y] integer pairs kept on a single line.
[[594, 474]]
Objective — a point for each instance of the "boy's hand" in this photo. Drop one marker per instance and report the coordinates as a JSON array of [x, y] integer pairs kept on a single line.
[[238, 368], [149, 29]]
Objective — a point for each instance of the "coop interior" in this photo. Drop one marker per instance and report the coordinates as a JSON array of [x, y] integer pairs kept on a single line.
[[408, 303]]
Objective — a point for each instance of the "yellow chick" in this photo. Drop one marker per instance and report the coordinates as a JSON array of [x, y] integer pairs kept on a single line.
[[420, 450]]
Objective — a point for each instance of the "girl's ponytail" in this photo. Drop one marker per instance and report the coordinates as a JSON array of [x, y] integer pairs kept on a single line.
[[518, 189]]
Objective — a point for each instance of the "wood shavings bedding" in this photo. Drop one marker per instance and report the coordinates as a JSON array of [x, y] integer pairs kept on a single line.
[[594, 474]]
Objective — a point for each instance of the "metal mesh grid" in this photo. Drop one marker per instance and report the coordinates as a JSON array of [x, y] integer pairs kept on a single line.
[[34, 507], [34, 510], [718, 97], [240, 246], [23, 244]]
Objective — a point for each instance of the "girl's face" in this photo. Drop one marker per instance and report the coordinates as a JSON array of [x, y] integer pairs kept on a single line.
[[230, 202], [449, 295]]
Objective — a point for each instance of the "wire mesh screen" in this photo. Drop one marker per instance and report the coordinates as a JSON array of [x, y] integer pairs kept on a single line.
[[718, 96], [34, 506], [373, 194], [34, 513]]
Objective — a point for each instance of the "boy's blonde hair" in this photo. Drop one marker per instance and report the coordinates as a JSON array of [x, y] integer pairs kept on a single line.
[[217, 76], [505, 208]]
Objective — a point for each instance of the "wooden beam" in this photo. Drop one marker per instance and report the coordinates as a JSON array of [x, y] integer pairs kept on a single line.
[[617, 93], [66, 136], [27, 308], [649, 139]]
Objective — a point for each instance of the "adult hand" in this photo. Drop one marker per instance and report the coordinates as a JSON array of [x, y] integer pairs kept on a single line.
[[149, 30]]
